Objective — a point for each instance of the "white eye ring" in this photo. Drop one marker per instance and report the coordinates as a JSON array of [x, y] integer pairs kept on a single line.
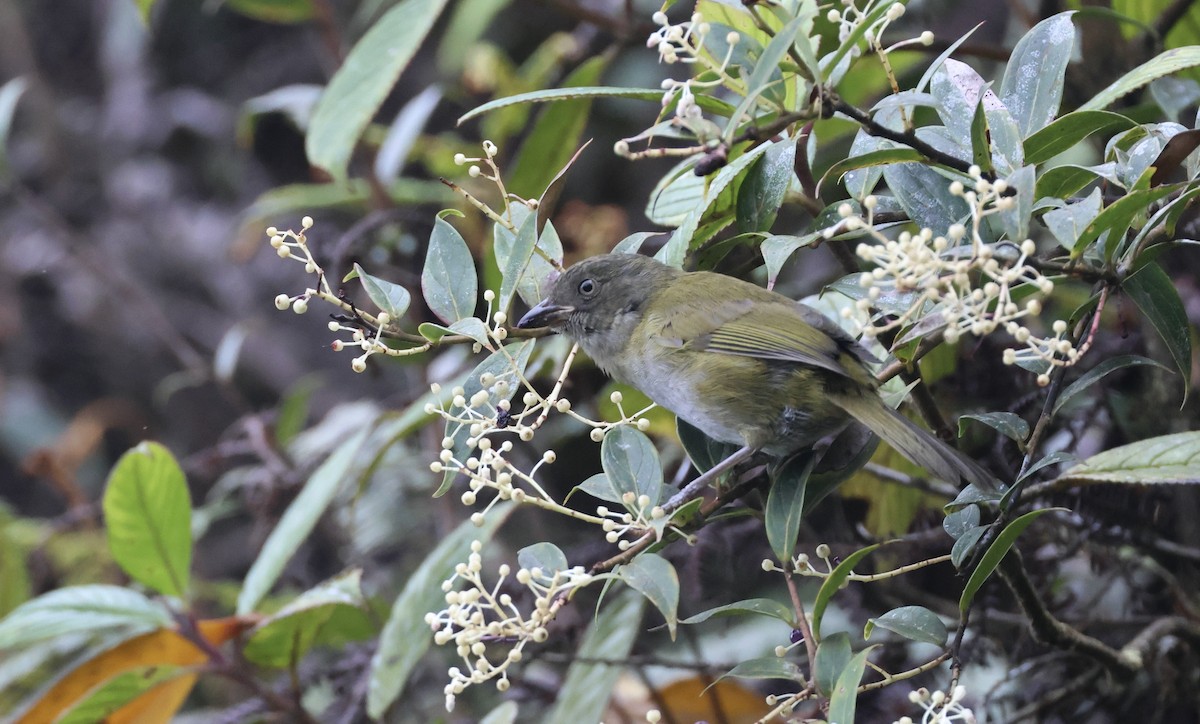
[[587, 287]]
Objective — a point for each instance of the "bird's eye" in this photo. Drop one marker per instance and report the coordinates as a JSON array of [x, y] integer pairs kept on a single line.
[[587, 287]]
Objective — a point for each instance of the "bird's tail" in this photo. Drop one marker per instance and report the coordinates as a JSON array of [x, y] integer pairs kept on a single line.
[[914, 443]]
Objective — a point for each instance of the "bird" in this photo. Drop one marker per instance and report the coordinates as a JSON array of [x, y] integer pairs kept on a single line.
[[743, 364]]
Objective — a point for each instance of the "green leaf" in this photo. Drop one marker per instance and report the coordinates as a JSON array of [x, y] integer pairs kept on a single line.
[[1067, 179], [833, 654], [546, 557], [468, 22], [760, 606], [551, 142], [975, 117], [1155, 295], [631, 463], [448, 280], [833, 582], [702, 450], [81, 610], [676, 194], [14, 552], [1054, 458], [364, 80], [10, 93], [276, 205], [1068, 223], [295, 102], [599, 486], [761, 194], [1033, 81], [293, 410], [964, 545], [995, 553], [676, 248], [776, 250], [284, 12], [971, 495], [767, 667], [830, 63], [880, 157], [144, 7], [148, 518], [958, 522], [406, 637], [1099, 372], [1166, 63], [844, 699], [1117, 218], [1015, 219], [1069, 129], [1006, 423], [655, 578], [785, 506], [925, 195], [584, 694], [766, 68], [981, 147], [104, 700], [285, 636], [499, 364], [565, 94], [915, 623], [389, 297], [1168, 459], [299, 520], [516, 259], [505, 713]]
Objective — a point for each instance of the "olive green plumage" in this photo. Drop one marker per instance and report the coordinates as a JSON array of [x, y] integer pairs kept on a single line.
[[741, 363]]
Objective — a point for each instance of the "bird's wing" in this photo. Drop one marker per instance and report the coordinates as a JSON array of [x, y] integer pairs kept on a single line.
[[767, 331]]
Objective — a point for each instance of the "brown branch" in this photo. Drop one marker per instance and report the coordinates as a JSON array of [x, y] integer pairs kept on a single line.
[[1050, 631], [873, 127], [1170, 17]]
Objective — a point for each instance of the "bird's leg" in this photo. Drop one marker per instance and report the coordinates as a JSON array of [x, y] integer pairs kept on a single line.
[[692, 489]]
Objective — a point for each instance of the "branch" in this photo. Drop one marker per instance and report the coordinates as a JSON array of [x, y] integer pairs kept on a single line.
[[1050, 631], [871, 126]]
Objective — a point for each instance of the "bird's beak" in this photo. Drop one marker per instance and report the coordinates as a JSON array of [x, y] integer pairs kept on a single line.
[[545, 314]]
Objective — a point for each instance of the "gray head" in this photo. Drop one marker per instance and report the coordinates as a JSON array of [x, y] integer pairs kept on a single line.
[[599, 301]]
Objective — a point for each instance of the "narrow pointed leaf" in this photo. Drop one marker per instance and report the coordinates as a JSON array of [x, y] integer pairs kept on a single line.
[[844, 699], [299, 520], [1098, 373], [1164, 64], [406, 637], [834, 581], [761, 606], [80, 609], [995, 553], [1173, 459], [833, 654], [1033, 81], [1069, 129], [785, 506], [1155, 295], [1006, 423], [364, 80], [586, 690]]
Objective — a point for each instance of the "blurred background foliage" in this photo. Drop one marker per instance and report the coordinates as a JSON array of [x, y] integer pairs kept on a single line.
[[146, 156]]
